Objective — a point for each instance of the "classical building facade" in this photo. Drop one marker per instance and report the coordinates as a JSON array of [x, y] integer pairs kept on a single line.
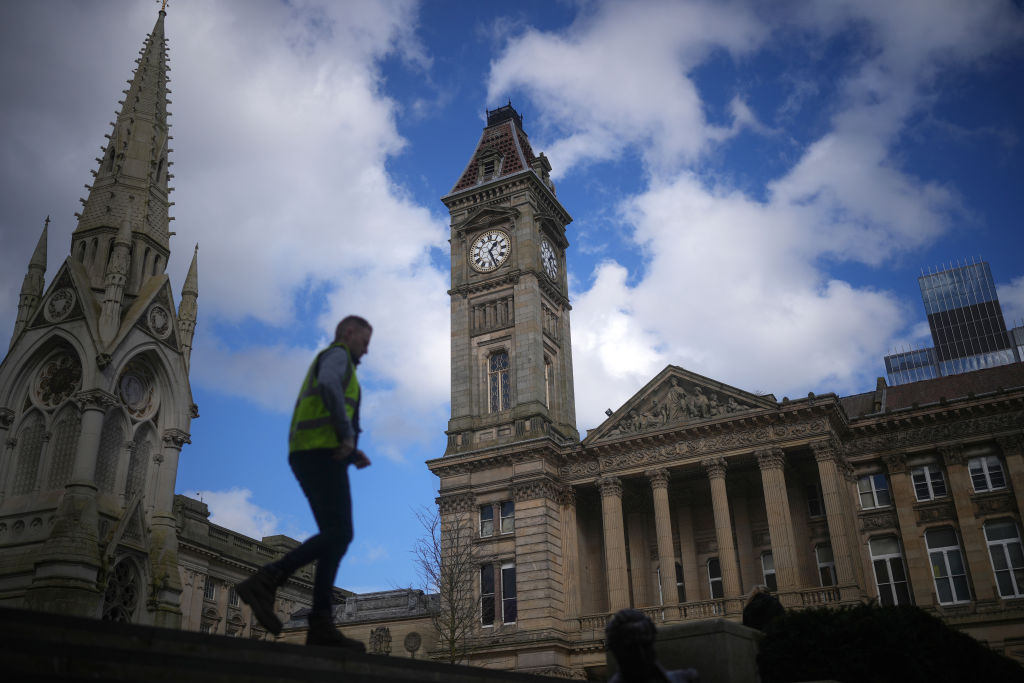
[[213, 560], [694, 492]]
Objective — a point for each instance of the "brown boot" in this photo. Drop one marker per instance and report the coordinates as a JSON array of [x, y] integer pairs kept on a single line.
[[258, 592], [322, 632]]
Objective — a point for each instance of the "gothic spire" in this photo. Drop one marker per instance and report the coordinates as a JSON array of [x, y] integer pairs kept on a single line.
[[32, 285], [134, 163], [188, 307]]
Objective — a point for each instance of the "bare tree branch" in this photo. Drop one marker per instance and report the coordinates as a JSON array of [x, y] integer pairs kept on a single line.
[[446, 562]]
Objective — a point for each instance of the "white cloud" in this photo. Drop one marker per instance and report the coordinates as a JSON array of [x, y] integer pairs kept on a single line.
[[1011, 300], [731, 286], [234, 510], [619, 78]]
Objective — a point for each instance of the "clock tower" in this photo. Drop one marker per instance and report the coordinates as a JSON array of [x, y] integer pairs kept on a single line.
[[511, 357]]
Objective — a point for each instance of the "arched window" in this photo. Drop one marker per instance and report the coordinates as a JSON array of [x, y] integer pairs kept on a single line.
[[111, 443], [139, 462], [549, 378], [62, 452], [30, 447], [498, 382], [948, 568]]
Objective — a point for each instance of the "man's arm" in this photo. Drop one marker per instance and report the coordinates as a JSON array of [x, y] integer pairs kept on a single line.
[[332, 376]]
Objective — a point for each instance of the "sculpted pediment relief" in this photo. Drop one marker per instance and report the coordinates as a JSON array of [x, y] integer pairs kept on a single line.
[[487, 216], [678, 398]]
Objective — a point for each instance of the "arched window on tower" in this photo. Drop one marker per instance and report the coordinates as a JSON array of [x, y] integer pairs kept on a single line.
[[111, 444], [498, 382], [549, 380], [139, 461], [30, 448], [62, 450]]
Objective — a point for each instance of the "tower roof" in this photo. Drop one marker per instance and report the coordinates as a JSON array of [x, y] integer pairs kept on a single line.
[[191, 285], [503, 140], [134, 166], [39, 255]]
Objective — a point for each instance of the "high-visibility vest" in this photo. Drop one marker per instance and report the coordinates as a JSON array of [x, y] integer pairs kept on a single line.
[[312, 426]]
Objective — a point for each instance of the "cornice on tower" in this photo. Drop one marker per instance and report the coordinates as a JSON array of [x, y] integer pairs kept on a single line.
[[134, 165]]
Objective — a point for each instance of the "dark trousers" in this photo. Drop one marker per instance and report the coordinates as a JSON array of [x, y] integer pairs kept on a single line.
[[324, 480]]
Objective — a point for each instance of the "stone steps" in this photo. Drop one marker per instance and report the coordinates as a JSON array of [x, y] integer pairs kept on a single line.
[[37, 646]]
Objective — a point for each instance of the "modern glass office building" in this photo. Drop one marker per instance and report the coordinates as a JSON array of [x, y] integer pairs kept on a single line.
[[966, 322]]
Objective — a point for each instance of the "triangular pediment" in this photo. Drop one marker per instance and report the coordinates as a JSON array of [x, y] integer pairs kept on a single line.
[[153, 313], [487, 216], [678, 398]]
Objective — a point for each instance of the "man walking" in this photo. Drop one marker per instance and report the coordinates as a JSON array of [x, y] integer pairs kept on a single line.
[[322, 443]]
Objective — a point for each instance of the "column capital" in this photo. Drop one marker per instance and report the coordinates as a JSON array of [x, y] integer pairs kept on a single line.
[[826, 449], [610, 486], [176, 438], [953, 454], [1011, 444], [771, 459], [658, 477], [714, 467], [535, 488], [96, 399], [456, 503], [896, 463], [567, 496]]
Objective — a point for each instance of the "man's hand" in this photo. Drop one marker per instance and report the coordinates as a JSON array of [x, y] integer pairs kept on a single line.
[[345, 449], [360, 460]]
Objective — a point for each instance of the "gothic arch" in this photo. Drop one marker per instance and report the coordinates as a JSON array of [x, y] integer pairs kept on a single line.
[[26, 370], [171, 398]]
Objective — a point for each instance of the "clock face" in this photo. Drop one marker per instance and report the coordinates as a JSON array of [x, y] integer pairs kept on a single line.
[[490, 250], [548, 258]]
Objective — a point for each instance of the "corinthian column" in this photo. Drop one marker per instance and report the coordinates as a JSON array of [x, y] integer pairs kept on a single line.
[[975, 547], [780, 522], [614, 543], [663, 527], [715, 468], [835, 512], [570, 553], [918, 565]]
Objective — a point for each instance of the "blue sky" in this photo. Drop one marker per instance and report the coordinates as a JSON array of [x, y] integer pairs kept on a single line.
[[755, 186]]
